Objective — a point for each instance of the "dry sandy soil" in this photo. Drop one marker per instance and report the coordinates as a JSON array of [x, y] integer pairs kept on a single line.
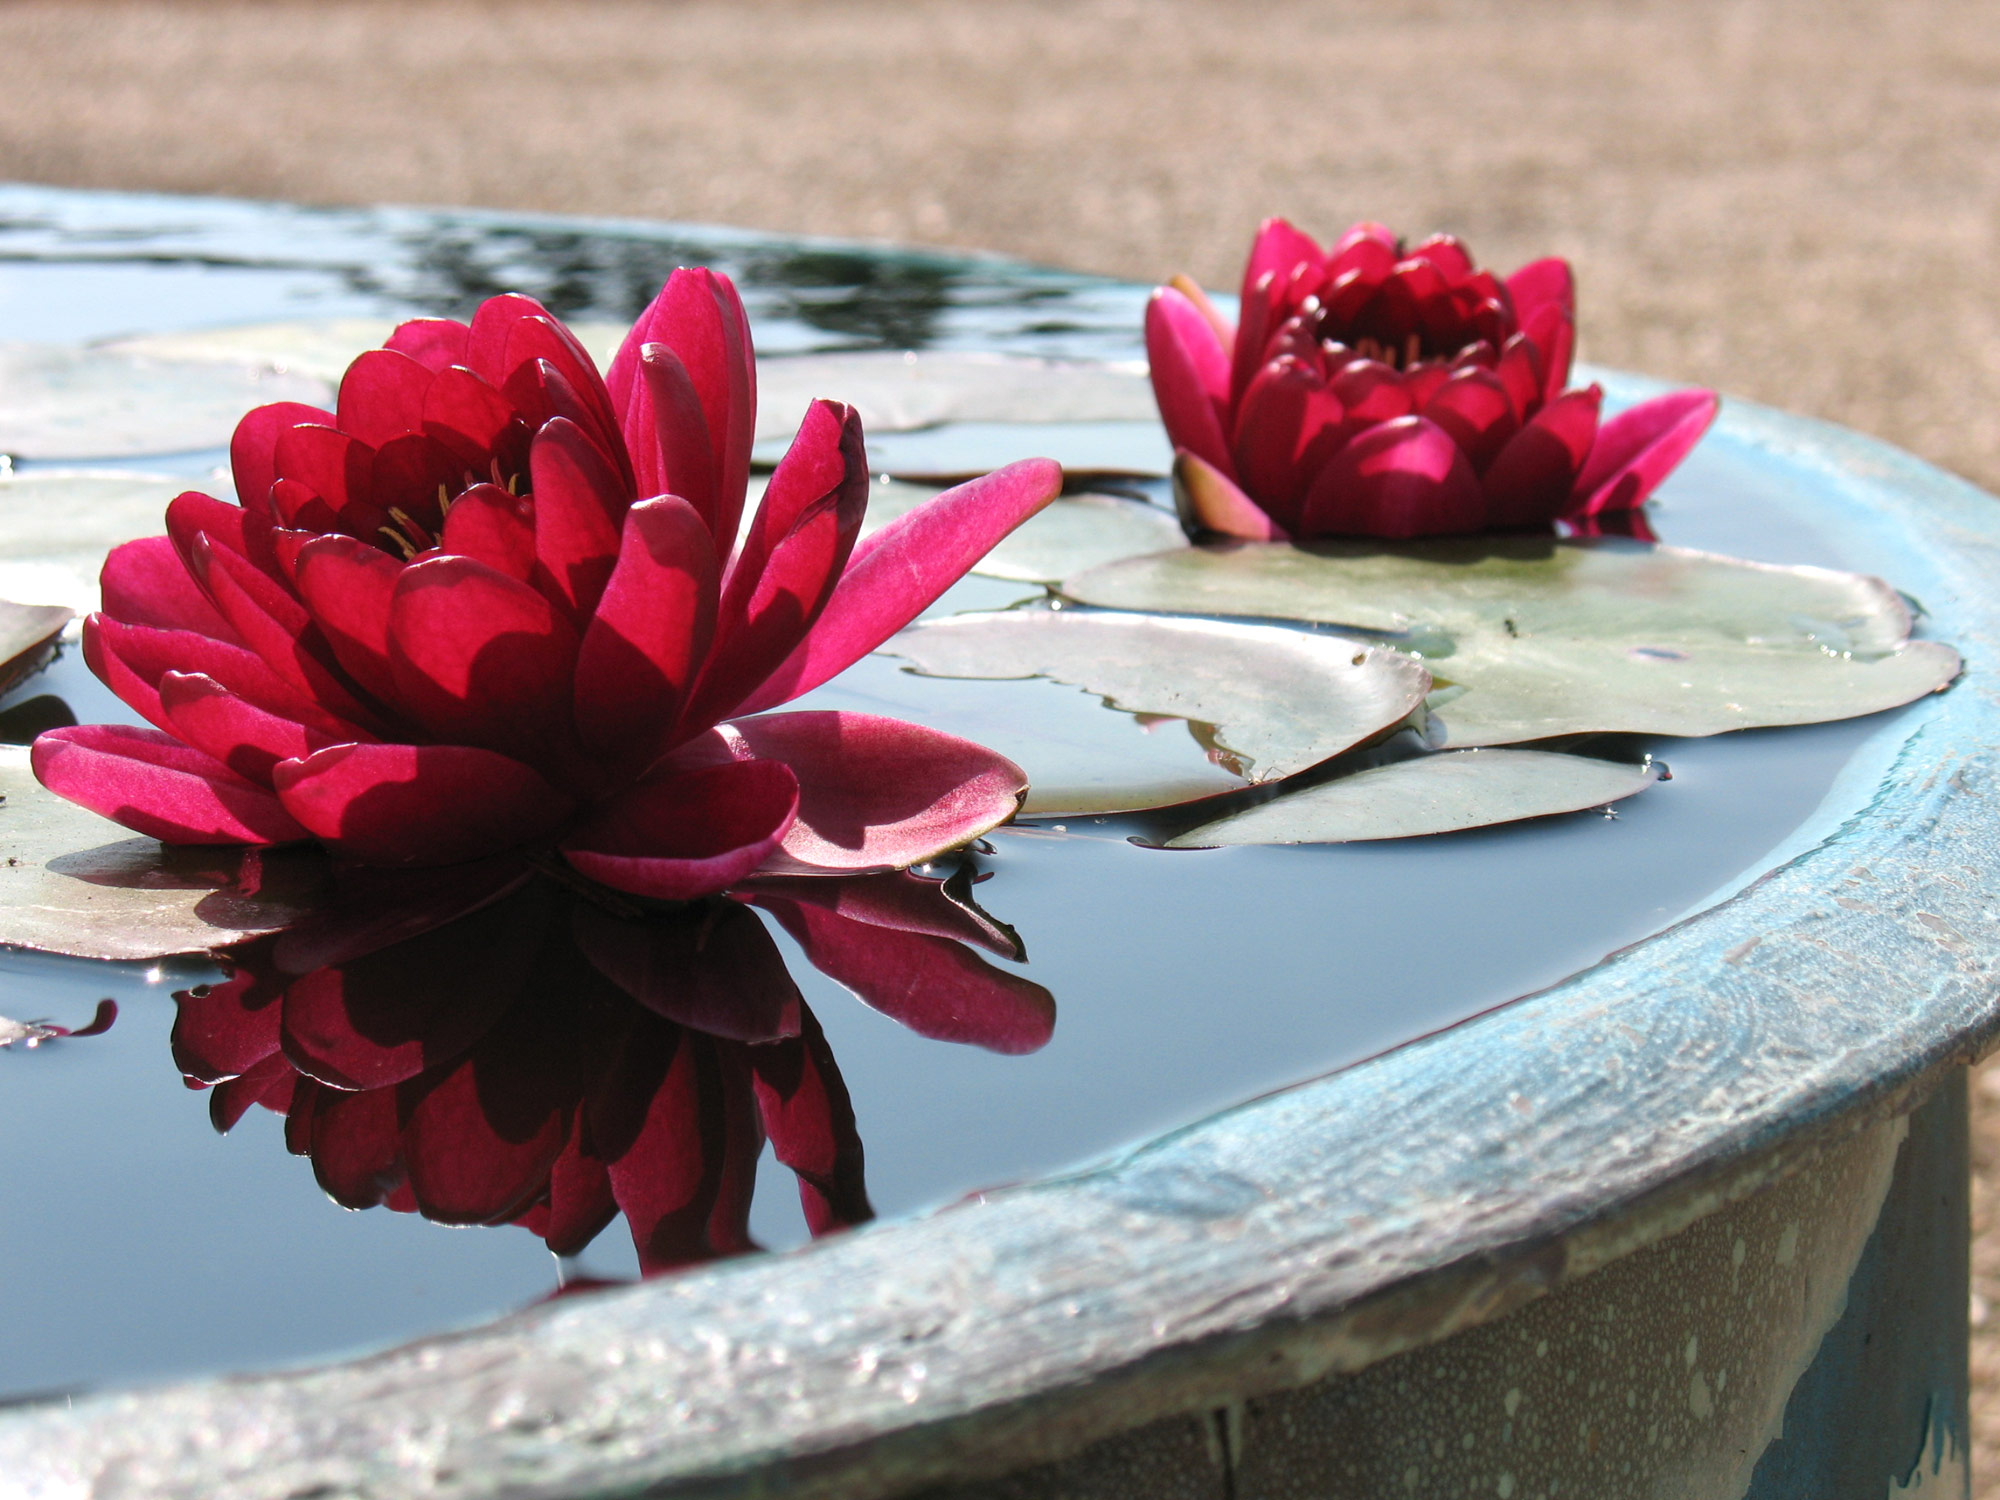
[[1796, 201]]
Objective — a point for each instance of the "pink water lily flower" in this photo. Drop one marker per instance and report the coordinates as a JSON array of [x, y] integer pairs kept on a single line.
[[1373, 390], [497, 601]]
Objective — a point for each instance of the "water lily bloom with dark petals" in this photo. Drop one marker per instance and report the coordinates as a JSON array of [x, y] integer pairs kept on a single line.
[[1374, 390], [497, 601]]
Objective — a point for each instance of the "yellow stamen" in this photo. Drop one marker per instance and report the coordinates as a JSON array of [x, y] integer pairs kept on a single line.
[[409, 552]]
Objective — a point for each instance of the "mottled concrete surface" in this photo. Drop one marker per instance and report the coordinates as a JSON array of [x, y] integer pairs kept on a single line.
[[1794, 200]]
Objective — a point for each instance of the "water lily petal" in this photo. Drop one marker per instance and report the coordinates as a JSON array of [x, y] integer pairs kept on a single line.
[[249, 534], [687, 833], [253, 458], [579, 503], [938, 988], [334, 465], [247, 739], [896, 574], [1543, 283], [465, 414], [699, 316], [434, 343], [481, 659], [1401, 479], [419, 804], [1639, 447], [492, 526], [785, 572], [1191, 376], [1210, 502], [279, 629], [1284, 432], [131, 660], [685, 447], [1280, 249], [157, 786], [1473, 405], [1532, 479], [542, 340], [651, 631], [880, 794], [382, 396], [146, 583], [1553, 333], [348, 586]]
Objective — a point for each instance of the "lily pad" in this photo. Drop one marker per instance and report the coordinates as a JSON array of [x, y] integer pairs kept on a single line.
[[27, 633], [1071, 533], [902, 392], [1443, 792], [56, 526], [72, 882], [1529, 638], [64, 401], [1259, 702], [318, 349]]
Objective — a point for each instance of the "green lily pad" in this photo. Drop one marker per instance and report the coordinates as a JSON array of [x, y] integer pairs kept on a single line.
[[56, 526], [72, 882], [64, 401], [1258, 702], [1437, 793], [1071, 533], [317, 349], [902, 392], [1530, 638], [27, 632]]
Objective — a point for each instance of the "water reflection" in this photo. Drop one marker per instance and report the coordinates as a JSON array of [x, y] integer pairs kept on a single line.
[[491, 1045]]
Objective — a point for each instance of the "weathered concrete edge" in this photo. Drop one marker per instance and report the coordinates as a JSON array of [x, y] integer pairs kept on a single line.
[[1282, 1238]]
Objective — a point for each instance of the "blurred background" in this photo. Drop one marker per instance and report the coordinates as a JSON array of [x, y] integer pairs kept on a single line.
[[1795, 201]]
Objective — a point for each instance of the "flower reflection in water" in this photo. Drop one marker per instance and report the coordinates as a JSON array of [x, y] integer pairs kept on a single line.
[[490, 1045]]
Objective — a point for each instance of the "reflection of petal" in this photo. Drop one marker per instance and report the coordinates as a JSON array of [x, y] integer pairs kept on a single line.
[[715, 969], [484, 1046], [380, 1019], [810, 1119], [901, 902], [938, 988]]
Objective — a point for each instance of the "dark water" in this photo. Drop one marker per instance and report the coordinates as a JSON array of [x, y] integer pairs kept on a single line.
[[141, 1243]]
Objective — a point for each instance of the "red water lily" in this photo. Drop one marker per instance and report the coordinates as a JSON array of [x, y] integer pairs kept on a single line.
[[498, 601], [1373, 390], [487, 1047]]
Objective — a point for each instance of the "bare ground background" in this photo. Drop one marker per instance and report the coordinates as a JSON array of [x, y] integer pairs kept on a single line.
[[1796, 201]]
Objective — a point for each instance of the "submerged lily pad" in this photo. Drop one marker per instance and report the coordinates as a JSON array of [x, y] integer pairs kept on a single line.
[[1261, 702], [1531, 638], [56, 526], [1071, 533], [72, 882], [1438, 793], [65, 401]]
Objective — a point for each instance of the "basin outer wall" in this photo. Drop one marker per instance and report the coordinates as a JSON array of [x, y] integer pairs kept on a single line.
[[1312, 1233]]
